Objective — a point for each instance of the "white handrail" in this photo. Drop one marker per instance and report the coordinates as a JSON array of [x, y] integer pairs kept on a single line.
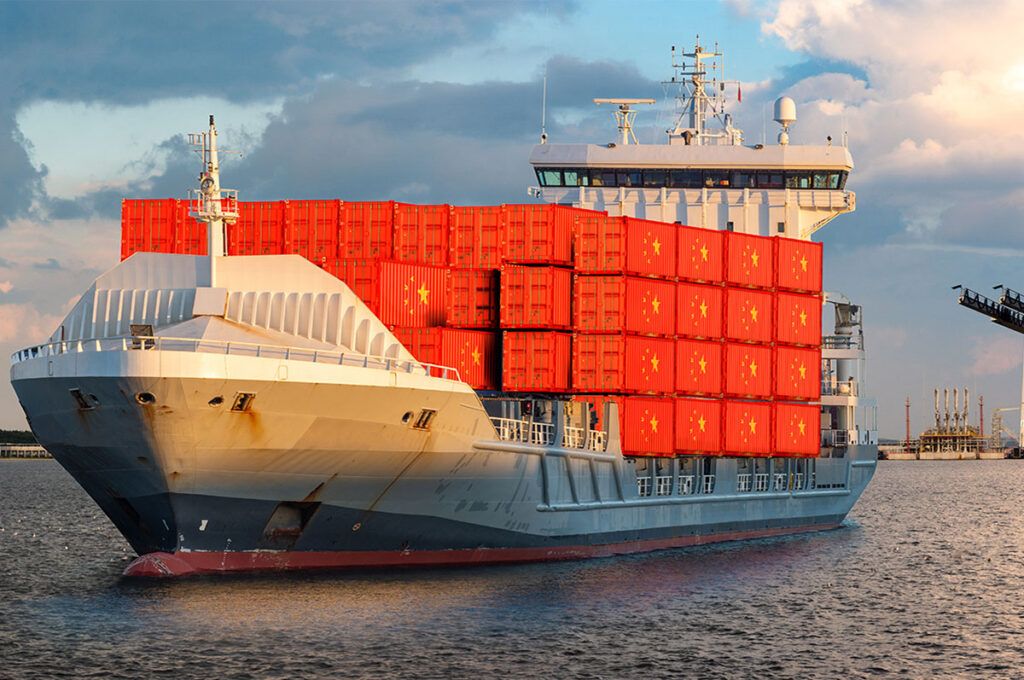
[[531, 432], [235, 348]]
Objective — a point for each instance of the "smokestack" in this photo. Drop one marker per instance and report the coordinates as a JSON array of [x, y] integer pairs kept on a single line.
[[967, 409], [938, 422], [956, 410], [945, 416]]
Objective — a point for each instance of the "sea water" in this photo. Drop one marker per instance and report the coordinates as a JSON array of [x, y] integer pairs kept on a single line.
[[925, 579]]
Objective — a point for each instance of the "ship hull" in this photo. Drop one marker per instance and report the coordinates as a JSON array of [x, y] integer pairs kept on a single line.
[[325, 474]]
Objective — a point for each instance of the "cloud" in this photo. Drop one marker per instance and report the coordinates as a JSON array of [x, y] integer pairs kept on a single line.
[[996, 356], [23, 320], [6, 286], [50, 263]]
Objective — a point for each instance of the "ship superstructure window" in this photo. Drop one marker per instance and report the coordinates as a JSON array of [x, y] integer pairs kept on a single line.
[[243, 401], [424, 419], [676, 178]]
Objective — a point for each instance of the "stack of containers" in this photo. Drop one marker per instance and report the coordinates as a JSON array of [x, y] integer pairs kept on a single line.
[[536, 298], [624, 301], [709, 341]]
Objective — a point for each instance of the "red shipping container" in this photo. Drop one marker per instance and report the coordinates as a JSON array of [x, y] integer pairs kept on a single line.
[[311, 229], [699, 367], [748, 260], [625, 245], [798, 430], [475, 239], [421, 233], [748, 315], [190, 235], [699, 310], [411, 294], [747, 430], [473, 353], [623, 363], [536, 361], [798, 319], [701, 254], [259, 229], [612, 304], [366, 230], [536, 297], [149, 225], [472, 298], [748, 370], [361, 277], [698, 426], [797, 373], [797, 265], [538, 234], [646, 425]]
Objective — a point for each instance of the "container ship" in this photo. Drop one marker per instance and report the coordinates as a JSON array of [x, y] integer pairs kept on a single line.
[[634, 363]]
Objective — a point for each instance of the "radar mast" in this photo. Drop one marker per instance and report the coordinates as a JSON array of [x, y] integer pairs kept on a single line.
[[701, 94], [208, 201]]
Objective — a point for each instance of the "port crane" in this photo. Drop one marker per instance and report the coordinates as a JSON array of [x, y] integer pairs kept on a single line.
[[1007, 311]]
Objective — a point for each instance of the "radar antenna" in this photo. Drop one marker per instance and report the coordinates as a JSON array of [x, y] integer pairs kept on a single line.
[[624, 116]]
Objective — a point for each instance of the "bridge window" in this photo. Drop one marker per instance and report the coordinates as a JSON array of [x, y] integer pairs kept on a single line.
[[655, 178], [576, 177], [549, 178], [602, 177], [742, 179], [685, 179], [769, 180], [716, 178], [629, 178]]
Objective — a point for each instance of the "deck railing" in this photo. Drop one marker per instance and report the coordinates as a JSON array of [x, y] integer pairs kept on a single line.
[[234, 348], [543, 434]]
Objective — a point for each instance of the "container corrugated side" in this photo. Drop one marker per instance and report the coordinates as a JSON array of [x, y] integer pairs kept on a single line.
[[536, 361], [366, 230], [259, 229], [699, 368], [646, 425], [475, 239], [698, 426], [748, 260], [472, 298], [798, 319], [538, 234], [797, 430], [748, 370], [421, 234], [149, 225], [748, 315], [411, 294], [361, 276], [536, 297], [700, 254], [747, 428], [700, 310], [625, 245], [623, 363], [797, 373], [612, 304], [311, 229], [474, 354], [797, 265]]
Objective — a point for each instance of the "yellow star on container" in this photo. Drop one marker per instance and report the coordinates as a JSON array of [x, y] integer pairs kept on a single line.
[[423, 293], [801, 426], [476, 356], [656, 304], [657, 246], [803, 263], [753, 426], [655, 362], [803, 318], [753, 258], [753, 370], [703, 253], [703, 365], [702, 423], [703, 309], [654, 424], [803, 371], [753, 314]]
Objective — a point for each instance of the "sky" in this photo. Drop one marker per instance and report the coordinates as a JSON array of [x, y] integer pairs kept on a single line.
[[440, 102]]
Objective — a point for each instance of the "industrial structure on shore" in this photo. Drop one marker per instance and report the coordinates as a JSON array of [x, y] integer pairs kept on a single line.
[[952, 437]]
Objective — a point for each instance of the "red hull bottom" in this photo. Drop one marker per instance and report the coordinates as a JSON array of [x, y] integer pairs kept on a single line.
[[162, 564]]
